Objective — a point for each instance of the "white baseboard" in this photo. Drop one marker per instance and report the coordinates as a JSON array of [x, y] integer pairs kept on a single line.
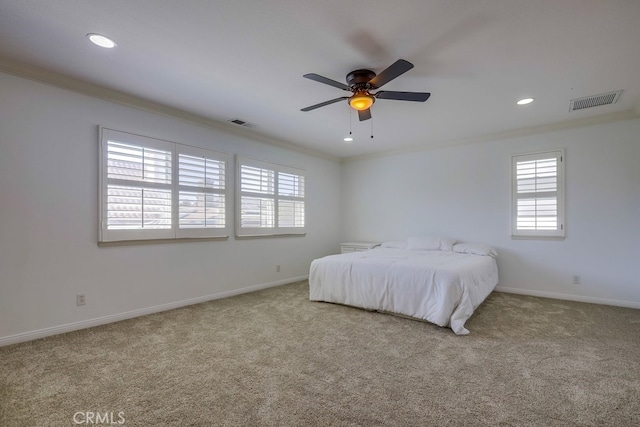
[[69, 327], [569, 297]]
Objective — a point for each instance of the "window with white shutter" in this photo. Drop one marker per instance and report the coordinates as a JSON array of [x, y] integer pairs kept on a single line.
[[290, 200], [537, 194], [271, 199], [155, 189], [202, 202]]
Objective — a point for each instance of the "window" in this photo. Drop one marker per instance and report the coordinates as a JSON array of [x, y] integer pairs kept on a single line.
[[271, 199], [537, 194], [201, 193], [154, 189]]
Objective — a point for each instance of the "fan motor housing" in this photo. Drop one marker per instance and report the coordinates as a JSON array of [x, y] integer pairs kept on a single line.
[[359, 78]]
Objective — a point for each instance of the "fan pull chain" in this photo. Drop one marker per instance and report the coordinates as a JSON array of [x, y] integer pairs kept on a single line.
[[350, 119], [371, 127]]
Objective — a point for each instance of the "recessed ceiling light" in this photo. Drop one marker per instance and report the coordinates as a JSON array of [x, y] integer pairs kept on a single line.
[[102, 41], [525, 101], [348, 139]]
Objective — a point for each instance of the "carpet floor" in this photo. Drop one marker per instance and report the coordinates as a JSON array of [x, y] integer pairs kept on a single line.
[[273, 358]]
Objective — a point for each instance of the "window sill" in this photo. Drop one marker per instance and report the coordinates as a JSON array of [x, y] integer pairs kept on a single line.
[[160, 241], [515, 237], [259, 236]]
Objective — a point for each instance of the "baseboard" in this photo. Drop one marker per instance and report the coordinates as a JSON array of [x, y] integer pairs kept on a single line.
[[69, 327], [569, 297]]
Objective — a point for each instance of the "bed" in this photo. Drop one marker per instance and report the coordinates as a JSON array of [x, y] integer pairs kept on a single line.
[[443, 284]]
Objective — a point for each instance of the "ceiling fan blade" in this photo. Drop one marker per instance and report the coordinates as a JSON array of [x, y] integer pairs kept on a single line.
[[322, 104], [320, 79], [403, 96], [364, 114], [394, 70]]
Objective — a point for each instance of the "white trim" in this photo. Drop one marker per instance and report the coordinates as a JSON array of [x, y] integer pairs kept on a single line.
[[70, 327], [89, 323], [48, 77], [569, 297]]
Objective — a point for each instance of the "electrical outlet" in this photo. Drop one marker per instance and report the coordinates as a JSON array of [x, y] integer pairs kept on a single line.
[[81, 299], [576, 280], [278, 268]]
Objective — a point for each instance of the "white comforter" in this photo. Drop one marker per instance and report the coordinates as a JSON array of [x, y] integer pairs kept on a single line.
[[441, 287]]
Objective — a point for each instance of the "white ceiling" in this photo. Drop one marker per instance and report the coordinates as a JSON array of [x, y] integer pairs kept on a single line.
[[245, 59]]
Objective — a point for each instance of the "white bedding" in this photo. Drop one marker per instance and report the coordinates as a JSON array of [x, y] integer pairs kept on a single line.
[[441, 287]]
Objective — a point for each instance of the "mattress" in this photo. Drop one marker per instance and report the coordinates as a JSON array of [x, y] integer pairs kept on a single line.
[[441, 287]]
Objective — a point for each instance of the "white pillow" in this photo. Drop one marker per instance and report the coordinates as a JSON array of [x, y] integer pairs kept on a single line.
[[394, 245], [430, 243], [475, 249]]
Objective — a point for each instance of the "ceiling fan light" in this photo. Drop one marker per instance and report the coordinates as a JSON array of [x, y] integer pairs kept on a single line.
[[361, 102]]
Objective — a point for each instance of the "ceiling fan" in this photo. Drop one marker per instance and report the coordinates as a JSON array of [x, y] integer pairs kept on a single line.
[[362, 82]]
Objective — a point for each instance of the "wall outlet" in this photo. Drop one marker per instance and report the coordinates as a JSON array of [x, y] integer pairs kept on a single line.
[[278, 268], [81, 299], [576, 280]]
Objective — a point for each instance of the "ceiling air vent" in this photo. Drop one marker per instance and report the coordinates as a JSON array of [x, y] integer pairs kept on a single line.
[[594, 101], [241, 123]]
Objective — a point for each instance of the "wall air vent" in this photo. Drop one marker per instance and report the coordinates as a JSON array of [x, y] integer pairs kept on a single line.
[[241, 123], [594, 101]]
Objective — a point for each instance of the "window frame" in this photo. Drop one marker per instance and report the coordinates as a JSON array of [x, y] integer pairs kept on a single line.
[[174, 232], [276, 230], [559, 232]]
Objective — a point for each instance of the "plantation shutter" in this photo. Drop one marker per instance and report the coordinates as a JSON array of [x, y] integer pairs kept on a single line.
[[290, 200], [257, 204], [201, 193], [271, 199], [138, 187], [155, 189], [537, 194]]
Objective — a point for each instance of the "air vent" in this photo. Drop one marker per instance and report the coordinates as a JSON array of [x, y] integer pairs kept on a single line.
[[241, 123], [594, 101]]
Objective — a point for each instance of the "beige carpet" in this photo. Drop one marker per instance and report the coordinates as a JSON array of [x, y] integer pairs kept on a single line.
[[272, 358]]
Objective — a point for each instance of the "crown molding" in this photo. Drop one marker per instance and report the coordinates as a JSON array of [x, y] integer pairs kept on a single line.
[[106, 94], [534, 130]]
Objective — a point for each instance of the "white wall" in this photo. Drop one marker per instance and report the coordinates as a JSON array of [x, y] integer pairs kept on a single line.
[[464, 192], [49, 218]]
